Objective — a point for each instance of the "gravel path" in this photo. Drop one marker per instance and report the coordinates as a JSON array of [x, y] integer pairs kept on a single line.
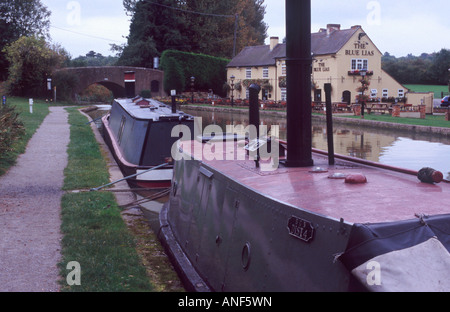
[[30, 198]]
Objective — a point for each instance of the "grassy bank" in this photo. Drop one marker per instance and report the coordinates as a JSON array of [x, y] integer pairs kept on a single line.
[[429, 121], [31, 123], [95, 234], [428, 88]]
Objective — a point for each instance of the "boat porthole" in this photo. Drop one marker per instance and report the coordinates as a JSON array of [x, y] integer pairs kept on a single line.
[[246, 256]]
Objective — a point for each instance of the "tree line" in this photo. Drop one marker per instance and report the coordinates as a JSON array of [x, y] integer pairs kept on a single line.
[[428, 69], [215, 28], [200, 27]]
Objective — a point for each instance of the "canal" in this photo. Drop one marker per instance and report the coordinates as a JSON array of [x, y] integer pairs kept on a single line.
[[396, 148]]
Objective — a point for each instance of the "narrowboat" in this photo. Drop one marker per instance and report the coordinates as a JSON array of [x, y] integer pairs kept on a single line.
[[138, 132], [302, 219]]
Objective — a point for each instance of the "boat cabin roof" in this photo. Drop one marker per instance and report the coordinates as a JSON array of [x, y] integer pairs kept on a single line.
[[148, 109], [388, 195]]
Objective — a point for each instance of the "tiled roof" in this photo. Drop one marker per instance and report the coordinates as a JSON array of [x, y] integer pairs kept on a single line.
[[321, 44]]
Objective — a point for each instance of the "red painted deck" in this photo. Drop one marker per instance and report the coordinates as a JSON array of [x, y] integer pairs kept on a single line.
[[387, 195]]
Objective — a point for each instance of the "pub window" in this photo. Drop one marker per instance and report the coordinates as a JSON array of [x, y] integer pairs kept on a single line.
[[248, 73], [247, 94], [360, 64], [266, 72], [283, 69], [373, 93], [401, 93], [385, 93], [283, 94]]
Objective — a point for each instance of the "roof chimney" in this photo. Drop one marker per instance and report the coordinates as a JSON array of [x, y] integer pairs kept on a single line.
[[332, 28], [273, 42]]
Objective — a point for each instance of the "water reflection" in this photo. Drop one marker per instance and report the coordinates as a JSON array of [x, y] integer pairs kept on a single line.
[[402, 149]]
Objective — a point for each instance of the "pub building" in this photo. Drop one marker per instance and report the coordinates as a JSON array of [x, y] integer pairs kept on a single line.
[[340, 57]]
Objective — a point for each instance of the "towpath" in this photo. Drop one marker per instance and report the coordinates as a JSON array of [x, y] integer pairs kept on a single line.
[[30, 206]]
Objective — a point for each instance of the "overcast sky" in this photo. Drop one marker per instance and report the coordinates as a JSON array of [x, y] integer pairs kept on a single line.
[[399, 27]]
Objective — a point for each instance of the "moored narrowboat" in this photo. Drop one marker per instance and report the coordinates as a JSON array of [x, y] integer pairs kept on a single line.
[[138, 132], [244, 217]]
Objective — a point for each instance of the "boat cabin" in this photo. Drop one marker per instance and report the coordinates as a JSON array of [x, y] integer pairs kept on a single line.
[[142, 129]]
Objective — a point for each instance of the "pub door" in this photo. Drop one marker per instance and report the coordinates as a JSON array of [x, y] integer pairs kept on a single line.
[[347, 97]]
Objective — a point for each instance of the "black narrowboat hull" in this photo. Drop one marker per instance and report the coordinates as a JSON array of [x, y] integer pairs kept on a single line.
[[231, 228], [141, 140]]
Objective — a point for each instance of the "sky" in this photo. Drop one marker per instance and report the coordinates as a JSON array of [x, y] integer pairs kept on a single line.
[[400, 27]]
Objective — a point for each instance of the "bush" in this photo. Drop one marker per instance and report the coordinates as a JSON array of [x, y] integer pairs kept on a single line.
[[96, 93], [31, 59], [64, 82], [11, 128], [146, 94]]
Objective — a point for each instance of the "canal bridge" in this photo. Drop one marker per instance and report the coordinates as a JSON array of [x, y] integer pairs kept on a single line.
[[112, 77]]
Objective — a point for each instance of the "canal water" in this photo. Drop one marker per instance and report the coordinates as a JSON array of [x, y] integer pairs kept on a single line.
[[396, 148]]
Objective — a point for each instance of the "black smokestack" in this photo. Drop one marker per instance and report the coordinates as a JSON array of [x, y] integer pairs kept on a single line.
[[298, 63]]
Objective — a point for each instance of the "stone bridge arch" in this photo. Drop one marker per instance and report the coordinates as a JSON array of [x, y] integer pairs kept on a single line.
[[112, 77]]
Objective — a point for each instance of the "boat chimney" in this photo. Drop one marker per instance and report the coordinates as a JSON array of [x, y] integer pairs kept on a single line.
[[130, 84], [298, 65]]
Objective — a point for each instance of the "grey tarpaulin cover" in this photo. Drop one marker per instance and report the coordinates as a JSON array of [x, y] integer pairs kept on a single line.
[[405, 256]]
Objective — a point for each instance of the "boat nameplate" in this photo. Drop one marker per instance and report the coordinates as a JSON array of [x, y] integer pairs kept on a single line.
[[301, 229]]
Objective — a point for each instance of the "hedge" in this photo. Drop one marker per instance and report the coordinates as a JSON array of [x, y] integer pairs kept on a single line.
[[209, 72]]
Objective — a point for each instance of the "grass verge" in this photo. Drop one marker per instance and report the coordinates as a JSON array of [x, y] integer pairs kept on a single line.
[[94, 233], [430, 120], [31, 123], [437, 89]]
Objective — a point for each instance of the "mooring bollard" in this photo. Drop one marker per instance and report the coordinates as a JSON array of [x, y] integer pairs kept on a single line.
[[254, 120]]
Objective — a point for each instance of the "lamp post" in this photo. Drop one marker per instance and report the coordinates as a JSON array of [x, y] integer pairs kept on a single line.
[[232, 90], [192, 88]]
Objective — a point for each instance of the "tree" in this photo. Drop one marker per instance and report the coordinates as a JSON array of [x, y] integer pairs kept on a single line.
[[21, 18], [440, 66], [92, 58], [214, 33], [32, 60], [153, 29], [199, 26], [424, 69]]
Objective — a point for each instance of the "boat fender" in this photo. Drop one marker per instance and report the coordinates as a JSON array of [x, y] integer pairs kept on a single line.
[[429, 175], [356, 178]]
